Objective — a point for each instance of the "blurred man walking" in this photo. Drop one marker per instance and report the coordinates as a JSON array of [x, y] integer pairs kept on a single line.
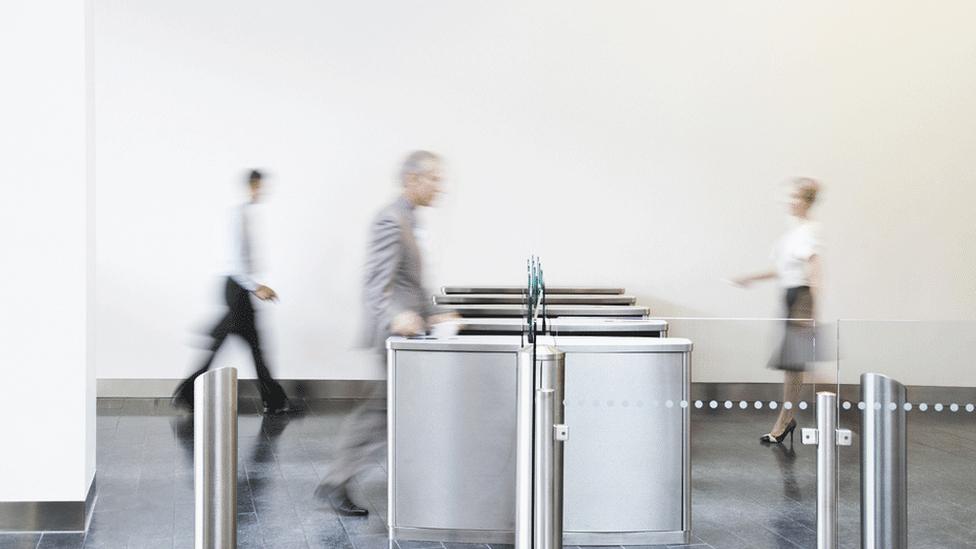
[[240, 318], [396, 303]]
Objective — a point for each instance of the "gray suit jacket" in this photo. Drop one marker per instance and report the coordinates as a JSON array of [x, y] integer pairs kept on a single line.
[[394, 273]]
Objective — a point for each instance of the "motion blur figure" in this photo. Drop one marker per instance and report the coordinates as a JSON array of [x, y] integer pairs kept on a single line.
[[396, 303], [797, 267], [240, 316]]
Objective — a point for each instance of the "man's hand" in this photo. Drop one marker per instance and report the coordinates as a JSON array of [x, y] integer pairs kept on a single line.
[[443, 317], [407, 323], [265, 293]]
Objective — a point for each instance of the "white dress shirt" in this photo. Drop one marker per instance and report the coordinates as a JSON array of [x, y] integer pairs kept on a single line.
[[241, 267]]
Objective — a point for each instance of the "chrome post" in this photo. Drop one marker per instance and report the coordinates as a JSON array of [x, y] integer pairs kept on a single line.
[[827, 437], [525, 391], [215, 459], [884, 464], [541, 433], [827, 471]]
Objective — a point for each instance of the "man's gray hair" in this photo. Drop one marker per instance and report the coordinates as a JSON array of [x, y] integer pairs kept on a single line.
[[416, 163]]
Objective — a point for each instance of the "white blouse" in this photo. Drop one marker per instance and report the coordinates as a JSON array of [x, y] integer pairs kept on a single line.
[[793, 251]]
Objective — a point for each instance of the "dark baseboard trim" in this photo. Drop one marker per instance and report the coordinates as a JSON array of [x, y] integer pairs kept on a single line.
[[47, 516]]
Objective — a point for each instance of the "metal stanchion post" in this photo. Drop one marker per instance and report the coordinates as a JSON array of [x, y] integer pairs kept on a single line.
[[884, 464], [539, 465], [827, 438], [215, 459]]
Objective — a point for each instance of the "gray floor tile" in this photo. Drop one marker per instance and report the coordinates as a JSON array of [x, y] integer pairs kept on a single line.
[[61, 541], [410, 544], [19, 541]]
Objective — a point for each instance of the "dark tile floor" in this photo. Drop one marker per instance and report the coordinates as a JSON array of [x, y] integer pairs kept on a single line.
[[745, 495]]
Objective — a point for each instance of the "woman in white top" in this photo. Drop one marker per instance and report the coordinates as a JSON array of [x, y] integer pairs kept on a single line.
[[797, 268]]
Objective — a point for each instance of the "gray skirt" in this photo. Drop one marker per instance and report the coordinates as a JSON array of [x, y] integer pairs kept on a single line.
[[797, 348]]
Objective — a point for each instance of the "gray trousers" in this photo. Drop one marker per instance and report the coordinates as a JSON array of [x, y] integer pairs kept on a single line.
[[361, 436]]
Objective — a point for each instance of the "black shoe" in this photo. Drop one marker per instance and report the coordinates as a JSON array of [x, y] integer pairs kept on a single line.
[[345, 507], [277, 409], [769, 438], [339, 499]]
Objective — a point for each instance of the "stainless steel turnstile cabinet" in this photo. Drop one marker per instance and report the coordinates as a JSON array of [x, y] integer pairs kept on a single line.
[[452, 437]]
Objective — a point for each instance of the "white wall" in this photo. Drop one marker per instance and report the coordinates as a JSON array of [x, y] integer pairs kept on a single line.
[[48, 405], [632, 143]]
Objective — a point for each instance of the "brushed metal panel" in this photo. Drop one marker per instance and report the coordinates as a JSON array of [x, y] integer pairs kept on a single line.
[[520, 299], [551, 290], [616, 311], [624, 456], [455, 440]]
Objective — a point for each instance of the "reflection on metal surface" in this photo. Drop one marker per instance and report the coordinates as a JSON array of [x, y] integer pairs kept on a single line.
[[884, 464], [215, 459], [47, 516]]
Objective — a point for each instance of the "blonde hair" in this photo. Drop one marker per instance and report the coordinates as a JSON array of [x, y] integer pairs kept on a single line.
[[808, 188]]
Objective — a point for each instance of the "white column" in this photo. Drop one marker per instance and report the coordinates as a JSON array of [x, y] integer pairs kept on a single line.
[[47, 407]]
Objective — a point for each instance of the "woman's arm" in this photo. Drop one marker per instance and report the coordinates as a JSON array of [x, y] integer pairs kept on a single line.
[[749, 279]]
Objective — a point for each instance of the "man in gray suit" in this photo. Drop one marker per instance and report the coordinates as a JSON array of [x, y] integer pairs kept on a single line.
[[396, 303]]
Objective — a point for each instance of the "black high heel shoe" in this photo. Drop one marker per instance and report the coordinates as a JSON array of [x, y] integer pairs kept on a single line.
[[770, 439]]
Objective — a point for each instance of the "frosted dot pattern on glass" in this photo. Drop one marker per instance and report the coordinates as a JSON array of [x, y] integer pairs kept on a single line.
[[772, 405]]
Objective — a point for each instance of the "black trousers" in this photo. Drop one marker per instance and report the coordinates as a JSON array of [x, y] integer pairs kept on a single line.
[[239, 320]]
